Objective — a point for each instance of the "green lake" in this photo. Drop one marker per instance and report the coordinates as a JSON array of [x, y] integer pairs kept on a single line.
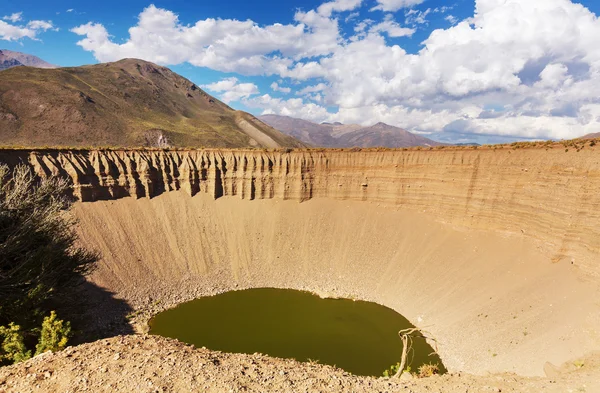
[[359, 337]]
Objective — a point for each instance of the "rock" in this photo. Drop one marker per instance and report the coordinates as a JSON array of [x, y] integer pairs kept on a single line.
[[406, 376]]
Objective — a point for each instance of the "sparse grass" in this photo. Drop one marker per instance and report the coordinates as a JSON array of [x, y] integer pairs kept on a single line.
[[133, 314], [180, 146]]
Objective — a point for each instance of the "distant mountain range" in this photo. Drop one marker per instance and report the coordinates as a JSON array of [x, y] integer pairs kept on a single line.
[[351, 135], [122, 104], [9, 59], [591, 136]]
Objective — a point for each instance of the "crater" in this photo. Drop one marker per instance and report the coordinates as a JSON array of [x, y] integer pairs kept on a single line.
[[359, 337], [494, 251]]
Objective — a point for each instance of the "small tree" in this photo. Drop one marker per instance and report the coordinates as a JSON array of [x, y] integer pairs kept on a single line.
[[38, 255], [54, 336], [12, 345], [38, 258]]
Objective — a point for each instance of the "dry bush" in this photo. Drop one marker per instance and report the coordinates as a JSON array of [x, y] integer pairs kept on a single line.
[[428, 370]]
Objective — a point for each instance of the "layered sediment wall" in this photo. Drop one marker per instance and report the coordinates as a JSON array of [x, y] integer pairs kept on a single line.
[[546, 194], [495, 251]]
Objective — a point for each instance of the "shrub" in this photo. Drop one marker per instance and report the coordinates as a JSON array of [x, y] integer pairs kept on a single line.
[[393, 370], [12, 345], [428, 370], [54, 336], [38, 255], [38, 259]]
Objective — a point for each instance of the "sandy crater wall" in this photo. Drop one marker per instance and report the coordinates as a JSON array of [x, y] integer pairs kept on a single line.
[[493, 251]]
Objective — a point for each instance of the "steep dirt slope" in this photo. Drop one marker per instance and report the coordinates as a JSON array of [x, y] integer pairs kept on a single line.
[[494, 250], [127, 103]]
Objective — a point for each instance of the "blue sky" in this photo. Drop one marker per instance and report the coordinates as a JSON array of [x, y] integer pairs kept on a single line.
[[484, 70]]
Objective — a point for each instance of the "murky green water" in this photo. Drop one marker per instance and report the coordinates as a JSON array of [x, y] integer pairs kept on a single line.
[[360, 337]]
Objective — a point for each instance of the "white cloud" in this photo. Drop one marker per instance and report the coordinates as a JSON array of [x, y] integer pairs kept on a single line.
[[392, 28], [326, 9], [416, 17], [395, 5], [352, 16], [553, 76], [221, 44], [291, 107], [41, 25], [312, 89], [231, 90], [70, 10], [452, 19], [521, 68], [14, 18], [275, 87], [11, 32]]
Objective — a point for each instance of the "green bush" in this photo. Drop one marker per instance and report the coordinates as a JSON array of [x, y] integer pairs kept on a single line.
[[38, 259], [54, 336], [390, 372], [12, 347]]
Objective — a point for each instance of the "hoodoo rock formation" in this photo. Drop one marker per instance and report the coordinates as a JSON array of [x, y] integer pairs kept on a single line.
[[494, 250]]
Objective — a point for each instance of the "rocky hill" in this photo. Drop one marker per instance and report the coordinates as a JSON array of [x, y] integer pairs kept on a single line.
[[346, 135], [126, 103], [9, 59]]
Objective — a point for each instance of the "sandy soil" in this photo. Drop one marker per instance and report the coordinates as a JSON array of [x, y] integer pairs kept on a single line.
[[155, 364], [495, 302]]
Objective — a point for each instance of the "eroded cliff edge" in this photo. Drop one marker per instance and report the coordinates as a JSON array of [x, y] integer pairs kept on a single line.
[[494, 251], [542, 193]]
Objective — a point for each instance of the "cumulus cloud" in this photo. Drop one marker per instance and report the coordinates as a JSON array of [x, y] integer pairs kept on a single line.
[[221, 44], [14, 32], [231, 90], [275, 87], [295, 107], [41, 25], [312, 89], [14, 18], [395, 5], [527, 69], [326, 9], [392, 28]]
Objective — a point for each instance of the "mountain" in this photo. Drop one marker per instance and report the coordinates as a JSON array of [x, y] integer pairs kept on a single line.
[[588, 136], [123, 104], [351, 135], [9, 59]]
